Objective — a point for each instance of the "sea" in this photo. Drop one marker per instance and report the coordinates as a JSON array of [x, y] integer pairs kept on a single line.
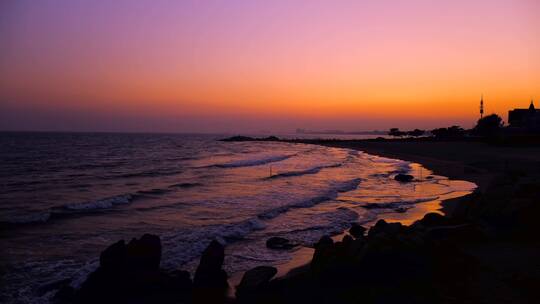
[[64, 197]]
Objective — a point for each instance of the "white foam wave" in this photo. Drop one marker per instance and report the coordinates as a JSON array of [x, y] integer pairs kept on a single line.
[[254, 161], [400, 203], [185, 245], [38, 217], [101, 203], [329, 194], [313, 170]]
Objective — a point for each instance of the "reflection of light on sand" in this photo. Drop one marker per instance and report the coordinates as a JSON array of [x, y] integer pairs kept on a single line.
[[424, 195], [300, 259], [419, 210]]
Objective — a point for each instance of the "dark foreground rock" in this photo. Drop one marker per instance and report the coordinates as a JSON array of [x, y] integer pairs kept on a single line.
[[357, 231], [254, 283], [210, 281], [130, 273]]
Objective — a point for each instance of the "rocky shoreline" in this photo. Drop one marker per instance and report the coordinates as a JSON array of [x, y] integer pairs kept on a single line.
[[429, 261]]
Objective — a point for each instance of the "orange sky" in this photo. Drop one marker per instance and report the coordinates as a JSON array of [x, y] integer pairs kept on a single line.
[[212, 66]]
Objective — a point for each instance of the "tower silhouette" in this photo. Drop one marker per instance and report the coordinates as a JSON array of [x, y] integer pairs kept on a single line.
[[482, 106]]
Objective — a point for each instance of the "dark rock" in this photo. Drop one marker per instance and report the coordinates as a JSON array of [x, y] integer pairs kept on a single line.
[[383, 227], [348, 247], [457, 233], [434, 219], [114, 257], [209, 273], [357, 231], [277, 242], [404, 178], [139, 254], [400, 210], [347, 240], [325, 241], [181, 279], [324, 251], [129, 272], [144, 253], [210, 281], [255, 279], [247, 138], [238, 138]]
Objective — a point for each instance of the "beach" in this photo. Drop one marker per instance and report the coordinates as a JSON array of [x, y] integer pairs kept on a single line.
[[509, 265], [502, 265]]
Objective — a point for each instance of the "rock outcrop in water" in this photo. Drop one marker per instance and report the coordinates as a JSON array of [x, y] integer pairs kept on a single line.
[[404, 178], [277, 242], [247, 138]]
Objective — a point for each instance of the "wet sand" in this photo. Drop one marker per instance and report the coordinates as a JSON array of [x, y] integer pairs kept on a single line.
[[476, 162]]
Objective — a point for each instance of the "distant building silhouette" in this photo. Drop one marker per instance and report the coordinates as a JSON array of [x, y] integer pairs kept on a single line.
[[525, 119]]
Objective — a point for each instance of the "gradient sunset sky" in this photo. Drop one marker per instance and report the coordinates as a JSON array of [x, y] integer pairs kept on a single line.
[[248, 66]]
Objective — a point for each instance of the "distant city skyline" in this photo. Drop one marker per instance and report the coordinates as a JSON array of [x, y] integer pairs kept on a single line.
[[245, 66]]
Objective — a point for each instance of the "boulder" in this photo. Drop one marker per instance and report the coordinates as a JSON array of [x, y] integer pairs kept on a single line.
[[238, 138], [256, 278], [210, 281], [433, 219], [404, 178], [144, 253], [324, 251], [255, 285], [209, 273], [114, 256], [347, 240], [357, 231], [277, 242], [349, 247], [383, 227], [128, 273]]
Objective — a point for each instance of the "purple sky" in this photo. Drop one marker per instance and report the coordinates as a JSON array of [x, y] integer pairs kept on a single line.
[[212, 66]]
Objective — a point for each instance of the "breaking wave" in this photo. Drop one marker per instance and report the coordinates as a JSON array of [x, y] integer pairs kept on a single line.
[[313, 170], [329, 194], [104, 203], [184, 245], [253, 161]]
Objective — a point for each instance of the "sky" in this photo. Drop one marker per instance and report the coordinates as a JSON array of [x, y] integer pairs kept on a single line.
[[251, 66]]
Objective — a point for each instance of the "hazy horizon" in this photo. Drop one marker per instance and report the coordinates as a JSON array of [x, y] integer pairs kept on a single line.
[[251, 66]]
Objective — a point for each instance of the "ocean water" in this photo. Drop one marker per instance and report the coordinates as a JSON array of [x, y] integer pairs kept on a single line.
[[64, 197]]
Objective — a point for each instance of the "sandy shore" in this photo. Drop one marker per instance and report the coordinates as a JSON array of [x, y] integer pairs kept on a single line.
[[476, 162], [437, 158]]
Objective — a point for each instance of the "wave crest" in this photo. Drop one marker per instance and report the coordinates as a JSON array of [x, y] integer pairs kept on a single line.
[[253, 161]]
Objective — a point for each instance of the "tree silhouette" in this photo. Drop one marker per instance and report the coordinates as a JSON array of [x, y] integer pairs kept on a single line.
[[489, 125], [452, 132], [416, 133], [396, 132]]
